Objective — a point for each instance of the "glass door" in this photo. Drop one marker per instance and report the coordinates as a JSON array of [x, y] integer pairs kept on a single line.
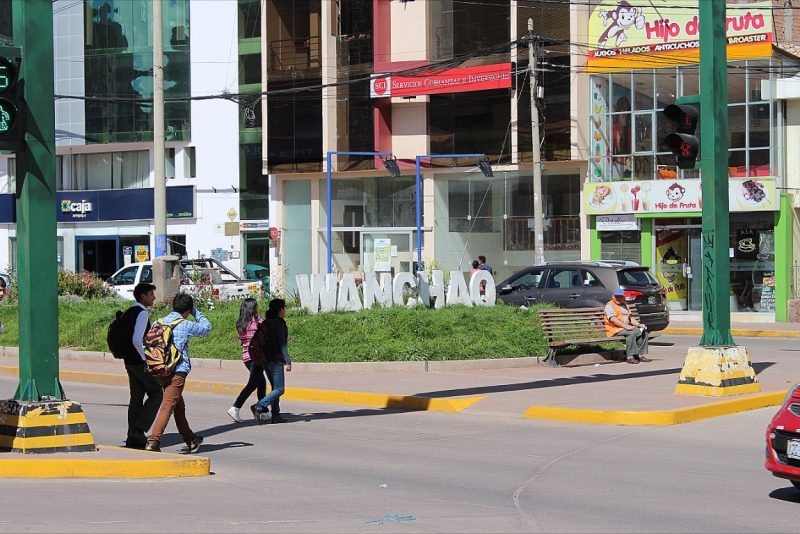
[[694, 278], [386, 252]]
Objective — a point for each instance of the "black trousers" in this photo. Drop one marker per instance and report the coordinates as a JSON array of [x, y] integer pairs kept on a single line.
[[142, 413], [254, 382]]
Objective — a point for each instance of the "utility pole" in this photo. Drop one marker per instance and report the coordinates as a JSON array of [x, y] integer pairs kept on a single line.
[[159, 174], [538, 205]]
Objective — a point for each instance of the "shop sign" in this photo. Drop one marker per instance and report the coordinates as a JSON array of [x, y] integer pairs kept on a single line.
[[480, 78], [142, 252], [78, 210], [618, 223], [320, 293], [675, 196], [635, 34]]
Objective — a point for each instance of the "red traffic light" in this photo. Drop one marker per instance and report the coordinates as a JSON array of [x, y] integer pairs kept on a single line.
[[684, 143], [684, 116]]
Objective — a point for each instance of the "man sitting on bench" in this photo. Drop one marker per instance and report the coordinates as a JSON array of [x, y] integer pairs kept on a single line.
[[620, 322]]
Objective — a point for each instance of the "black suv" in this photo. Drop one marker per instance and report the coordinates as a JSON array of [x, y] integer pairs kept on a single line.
[[588, 284]]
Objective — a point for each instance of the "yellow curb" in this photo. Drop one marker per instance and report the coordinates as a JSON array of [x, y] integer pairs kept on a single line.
[[679, 331], [131, 464], [379, 400], [669, 417]]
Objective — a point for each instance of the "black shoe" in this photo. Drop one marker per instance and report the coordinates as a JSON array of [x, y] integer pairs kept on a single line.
[[259, 417], [195, 444], [279, 419], [136, 439], [135, 444], [153, 447]]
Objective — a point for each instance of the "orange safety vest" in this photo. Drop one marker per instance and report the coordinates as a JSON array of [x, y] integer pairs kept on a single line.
[[611, 328]]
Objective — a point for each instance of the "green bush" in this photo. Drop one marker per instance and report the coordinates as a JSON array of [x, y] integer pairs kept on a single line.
[[378, 334], [83, 284]]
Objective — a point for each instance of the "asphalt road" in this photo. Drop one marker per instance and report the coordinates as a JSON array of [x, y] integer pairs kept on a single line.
[[342, 468]]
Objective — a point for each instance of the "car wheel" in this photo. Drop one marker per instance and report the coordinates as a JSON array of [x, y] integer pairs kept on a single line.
[[795, 483]]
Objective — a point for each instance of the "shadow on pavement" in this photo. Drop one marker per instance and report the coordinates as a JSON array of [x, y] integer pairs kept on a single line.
[[790, 494], [565, 381]]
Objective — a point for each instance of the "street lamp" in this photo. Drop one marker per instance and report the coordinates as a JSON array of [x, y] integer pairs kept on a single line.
[[485, 168], [330, 228]]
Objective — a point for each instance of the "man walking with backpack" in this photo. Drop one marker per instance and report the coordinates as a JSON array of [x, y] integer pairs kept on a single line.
[[125, 341], [173, 384]]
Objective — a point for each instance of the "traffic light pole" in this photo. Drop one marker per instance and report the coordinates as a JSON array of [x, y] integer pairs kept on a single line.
[[715, 278], [717, 367], [37, 264]]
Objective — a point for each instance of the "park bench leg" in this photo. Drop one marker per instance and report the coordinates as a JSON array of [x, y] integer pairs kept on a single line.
[[551, 357]]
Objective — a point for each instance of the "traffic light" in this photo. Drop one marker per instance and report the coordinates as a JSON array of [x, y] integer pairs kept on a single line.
[[12, 102], [683, 143]]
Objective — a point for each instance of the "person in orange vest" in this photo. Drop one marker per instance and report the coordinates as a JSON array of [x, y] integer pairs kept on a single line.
[[620, 321]]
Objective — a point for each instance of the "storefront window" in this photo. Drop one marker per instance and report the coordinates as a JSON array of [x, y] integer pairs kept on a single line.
[[628, 125]]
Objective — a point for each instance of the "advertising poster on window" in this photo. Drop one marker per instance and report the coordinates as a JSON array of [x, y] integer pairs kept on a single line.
[[634, 34], [671, 250], [383, 255], [599, 147], [657, 196]]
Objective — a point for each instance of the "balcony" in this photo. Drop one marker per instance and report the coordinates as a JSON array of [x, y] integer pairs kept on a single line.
[[355, 49], [295, 55], [560, 233]]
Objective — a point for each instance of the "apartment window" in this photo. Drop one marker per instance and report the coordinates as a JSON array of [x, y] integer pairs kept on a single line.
[[110, 170], [169, 163], [11, 183], [189, 162]]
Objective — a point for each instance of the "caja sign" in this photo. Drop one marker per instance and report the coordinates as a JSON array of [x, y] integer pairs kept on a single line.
[[78, 210]]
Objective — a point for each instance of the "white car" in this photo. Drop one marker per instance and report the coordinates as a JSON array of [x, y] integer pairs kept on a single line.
[[225, 283]]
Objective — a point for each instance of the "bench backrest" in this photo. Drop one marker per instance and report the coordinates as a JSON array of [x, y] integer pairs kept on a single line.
[[574, 324]]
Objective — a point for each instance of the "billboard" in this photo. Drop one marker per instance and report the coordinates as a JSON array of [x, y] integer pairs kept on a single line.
[[480, 78], [625, 35]]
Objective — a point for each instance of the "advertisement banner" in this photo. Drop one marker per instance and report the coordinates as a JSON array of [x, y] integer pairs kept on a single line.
[[480, 78], [635, 34], [671, 250], [676, 196], [383, 251]]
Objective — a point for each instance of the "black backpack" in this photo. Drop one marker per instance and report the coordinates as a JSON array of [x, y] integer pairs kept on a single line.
[[120, 333]]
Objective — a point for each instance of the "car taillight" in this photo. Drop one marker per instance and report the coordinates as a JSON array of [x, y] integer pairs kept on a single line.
[[631, 295], [664, 292]]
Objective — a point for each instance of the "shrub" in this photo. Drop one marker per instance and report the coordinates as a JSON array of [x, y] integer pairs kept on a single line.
[[83, 284]]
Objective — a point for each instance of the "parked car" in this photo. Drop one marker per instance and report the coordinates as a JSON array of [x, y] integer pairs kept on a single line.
[[783, 439], [588, 284], [225, 283]]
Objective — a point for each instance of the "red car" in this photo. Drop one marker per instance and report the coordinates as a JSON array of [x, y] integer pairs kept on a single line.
[[783, 439]]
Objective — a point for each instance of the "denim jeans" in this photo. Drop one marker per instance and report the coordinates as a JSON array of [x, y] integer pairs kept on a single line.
[[277, 381], [255, 382]]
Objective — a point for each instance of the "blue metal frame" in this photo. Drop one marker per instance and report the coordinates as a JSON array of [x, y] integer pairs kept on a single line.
[[419, 196], [114, 238], [330, 226]]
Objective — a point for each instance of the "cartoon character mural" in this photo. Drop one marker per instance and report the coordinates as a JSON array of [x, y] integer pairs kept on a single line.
[[675, 192], [671, 250], [623, 17]]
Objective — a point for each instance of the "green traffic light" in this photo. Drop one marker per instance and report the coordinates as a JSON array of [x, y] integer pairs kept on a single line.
[[8, 74], [8, 115]]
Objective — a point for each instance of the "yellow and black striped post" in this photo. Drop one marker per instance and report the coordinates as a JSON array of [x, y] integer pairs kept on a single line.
[[44, 427], [717, 372]]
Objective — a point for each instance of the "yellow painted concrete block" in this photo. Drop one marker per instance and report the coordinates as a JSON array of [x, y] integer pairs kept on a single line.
[[717, 372]]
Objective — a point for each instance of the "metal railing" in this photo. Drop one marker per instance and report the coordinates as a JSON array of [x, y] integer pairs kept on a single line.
[[355, 49], [560, 233], [295, 54]]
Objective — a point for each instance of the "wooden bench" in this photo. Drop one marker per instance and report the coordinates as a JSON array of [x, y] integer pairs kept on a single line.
[[576, 326]]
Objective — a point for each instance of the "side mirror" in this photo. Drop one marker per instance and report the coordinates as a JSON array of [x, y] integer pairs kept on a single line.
[[505, 290]]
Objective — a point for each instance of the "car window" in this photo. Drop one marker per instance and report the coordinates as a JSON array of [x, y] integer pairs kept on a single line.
[[565, 278], [591, 279], [636, 277], [125, 277], [528, 280]]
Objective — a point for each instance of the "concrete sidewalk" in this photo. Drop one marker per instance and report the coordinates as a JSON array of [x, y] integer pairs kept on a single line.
[[602, 392]]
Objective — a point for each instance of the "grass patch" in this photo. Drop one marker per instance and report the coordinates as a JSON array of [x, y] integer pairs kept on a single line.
[[375, 335]]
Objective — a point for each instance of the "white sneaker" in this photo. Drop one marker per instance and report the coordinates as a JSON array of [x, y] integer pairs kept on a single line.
[[234, 413]]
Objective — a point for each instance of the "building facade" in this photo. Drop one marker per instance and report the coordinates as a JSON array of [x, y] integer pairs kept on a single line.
[[640, 206]]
